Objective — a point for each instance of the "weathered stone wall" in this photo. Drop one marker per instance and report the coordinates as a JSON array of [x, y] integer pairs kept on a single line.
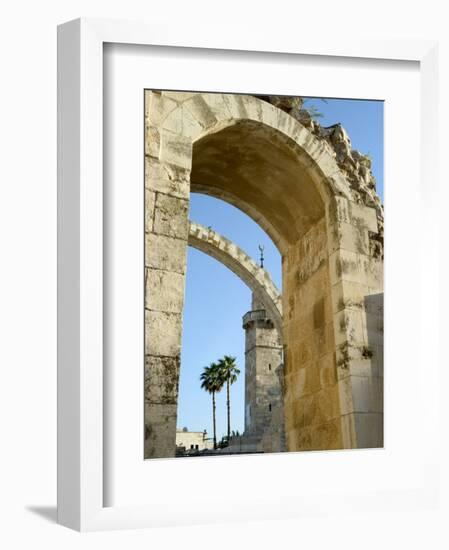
[[167, 194], [263, 358], [312, 410], [356, 268]]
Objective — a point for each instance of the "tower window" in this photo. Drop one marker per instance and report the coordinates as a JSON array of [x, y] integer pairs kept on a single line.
[[269, 407], [269, 366]]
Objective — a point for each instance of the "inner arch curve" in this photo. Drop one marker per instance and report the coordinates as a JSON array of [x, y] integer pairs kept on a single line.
[[234, 258]]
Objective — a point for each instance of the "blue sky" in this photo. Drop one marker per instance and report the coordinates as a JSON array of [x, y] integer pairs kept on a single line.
[[216, 299]]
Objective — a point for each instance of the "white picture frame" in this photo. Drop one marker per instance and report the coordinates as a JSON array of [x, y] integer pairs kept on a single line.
[[81, 475]]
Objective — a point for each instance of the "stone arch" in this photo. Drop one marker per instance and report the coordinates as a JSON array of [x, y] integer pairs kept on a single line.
[[205, 116], [229, 254], [306, 195]]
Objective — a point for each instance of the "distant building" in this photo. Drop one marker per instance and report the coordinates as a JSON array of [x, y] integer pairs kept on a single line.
[[264, 416], [192, 441]]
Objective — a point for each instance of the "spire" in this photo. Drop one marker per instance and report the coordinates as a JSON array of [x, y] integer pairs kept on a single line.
[[261, 248]]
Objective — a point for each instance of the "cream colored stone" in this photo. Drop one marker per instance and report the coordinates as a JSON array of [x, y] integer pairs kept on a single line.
[[348, 237], [165, 253], [157, 108], [349, 295], [170, 216], [338, 210], [150, 199], [179, 97], [357, 268], [162, 333], [218, 106], [164, 290], [166, 178], [152, 141], [200, 111], [176, 149], [363, 216]]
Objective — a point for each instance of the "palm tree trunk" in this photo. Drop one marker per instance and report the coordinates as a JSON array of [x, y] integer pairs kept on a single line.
[[213, 417], [229, 410]]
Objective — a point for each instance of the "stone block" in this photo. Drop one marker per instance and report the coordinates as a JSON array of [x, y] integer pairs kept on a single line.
[[171, 216], [348, 428], [354, 367], [373, 268], [217, 105], [374, 329], [338, 210], [363, 216], [179, 97], [160, 430], [191, 128], [312, 381], [181, 122], [200, 111], [150, 199], [349, 295], [152, 141], [253, 107], [164, 290], [308, 411], [328, 370], [161, 379], [236, 106], [173, 122], [328, 400], [325, 160], [346, 265], [339, 184], [322, 340], [345, 396], [361, 394], [348, 237], [295, 411], [167, 253], [327, 436], [157, 107], [349, 328], [167, 178], [176, 149], [163, 333], [301, 439]]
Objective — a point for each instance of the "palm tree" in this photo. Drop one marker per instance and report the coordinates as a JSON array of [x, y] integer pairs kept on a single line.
[[212, 382], [228, 373]]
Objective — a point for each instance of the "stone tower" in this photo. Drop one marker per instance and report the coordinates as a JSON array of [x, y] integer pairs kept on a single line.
[[263, 372]]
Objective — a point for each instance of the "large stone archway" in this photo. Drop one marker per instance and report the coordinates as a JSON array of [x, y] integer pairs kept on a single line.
[[312, 199]]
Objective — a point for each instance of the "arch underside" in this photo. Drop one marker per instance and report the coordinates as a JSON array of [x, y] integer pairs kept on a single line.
[[262, 173]]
